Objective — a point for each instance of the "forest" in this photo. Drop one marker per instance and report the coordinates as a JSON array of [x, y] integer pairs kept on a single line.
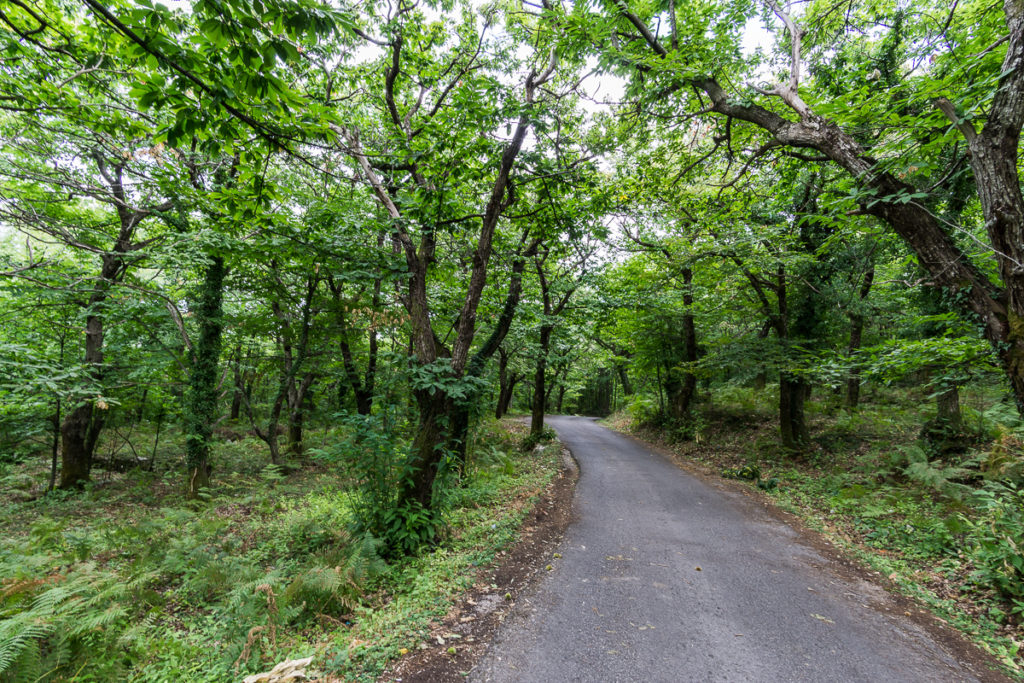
[[276, 274]]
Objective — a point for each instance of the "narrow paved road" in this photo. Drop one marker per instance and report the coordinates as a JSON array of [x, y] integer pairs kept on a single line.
[[667, 578]]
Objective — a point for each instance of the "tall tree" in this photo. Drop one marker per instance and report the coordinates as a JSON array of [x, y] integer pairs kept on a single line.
[[984, 66], [432, 78]]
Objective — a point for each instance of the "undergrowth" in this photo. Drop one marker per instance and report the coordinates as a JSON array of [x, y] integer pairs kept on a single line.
[[128, 581]]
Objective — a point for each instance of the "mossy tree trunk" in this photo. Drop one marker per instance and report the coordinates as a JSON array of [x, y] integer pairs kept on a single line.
[[201, 396]]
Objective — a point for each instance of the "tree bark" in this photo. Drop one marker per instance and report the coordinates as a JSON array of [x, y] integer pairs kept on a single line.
[[201, 398], [792, 419], [54, 446], [239, 385], [627, 386], [427, 458], [856, 335], [680, 390], [82, 425], [503, 383], [506, 391], [297, 406], [539, 376], [949, 417]]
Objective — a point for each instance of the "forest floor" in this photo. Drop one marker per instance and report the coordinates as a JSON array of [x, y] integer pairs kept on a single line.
[[911, 531], [127, 580]]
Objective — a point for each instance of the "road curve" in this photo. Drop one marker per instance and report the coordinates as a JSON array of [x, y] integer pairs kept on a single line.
[[667, 578]]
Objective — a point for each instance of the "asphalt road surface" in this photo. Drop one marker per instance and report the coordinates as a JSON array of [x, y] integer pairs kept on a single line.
[[664, 577]]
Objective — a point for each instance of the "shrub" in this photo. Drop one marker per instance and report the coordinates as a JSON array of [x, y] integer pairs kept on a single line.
[[995, 542], [644, 410], [376, 460]]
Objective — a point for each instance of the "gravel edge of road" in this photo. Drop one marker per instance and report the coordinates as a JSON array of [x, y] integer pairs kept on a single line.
[[479, 613]]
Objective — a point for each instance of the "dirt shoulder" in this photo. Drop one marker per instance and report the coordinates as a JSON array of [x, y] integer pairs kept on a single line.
[[456, 643]]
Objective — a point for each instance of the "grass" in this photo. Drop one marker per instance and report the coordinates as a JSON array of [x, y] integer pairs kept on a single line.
[[942, 529], [127, 580]]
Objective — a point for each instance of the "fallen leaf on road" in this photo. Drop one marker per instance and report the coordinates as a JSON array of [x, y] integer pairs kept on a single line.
[[821, 618]]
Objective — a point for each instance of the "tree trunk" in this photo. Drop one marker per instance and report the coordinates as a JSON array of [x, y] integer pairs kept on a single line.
[[295, 433], [503, 383], [298, 404], [856, 335], [201, 398], [239, 388], [949, 418], [426, 457], [236, 405], [82, 425], [459, 441], [681, 390], [792, 422], [78, 441], [627, 386], [539, 375], [362, 387], [506, 394], [55, 446], [761, 378]]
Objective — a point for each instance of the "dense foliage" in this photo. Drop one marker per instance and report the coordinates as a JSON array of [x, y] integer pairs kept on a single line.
[[250, 243]]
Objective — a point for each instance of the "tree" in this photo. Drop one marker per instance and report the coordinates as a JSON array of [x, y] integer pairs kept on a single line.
[[433, 79], [883, 170], [558, 280]]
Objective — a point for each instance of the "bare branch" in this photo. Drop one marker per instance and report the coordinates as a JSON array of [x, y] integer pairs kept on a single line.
[[795, 34], [962, 125]]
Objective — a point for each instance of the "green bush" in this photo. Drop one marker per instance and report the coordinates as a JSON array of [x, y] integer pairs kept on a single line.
[[995, 542], [376, 459], [644, 410]]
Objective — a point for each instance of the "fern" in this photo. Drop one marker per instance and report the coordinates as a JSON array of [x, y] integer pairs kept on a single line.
[[16, 635], [83, 615], [337, 582], [941, 479]]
